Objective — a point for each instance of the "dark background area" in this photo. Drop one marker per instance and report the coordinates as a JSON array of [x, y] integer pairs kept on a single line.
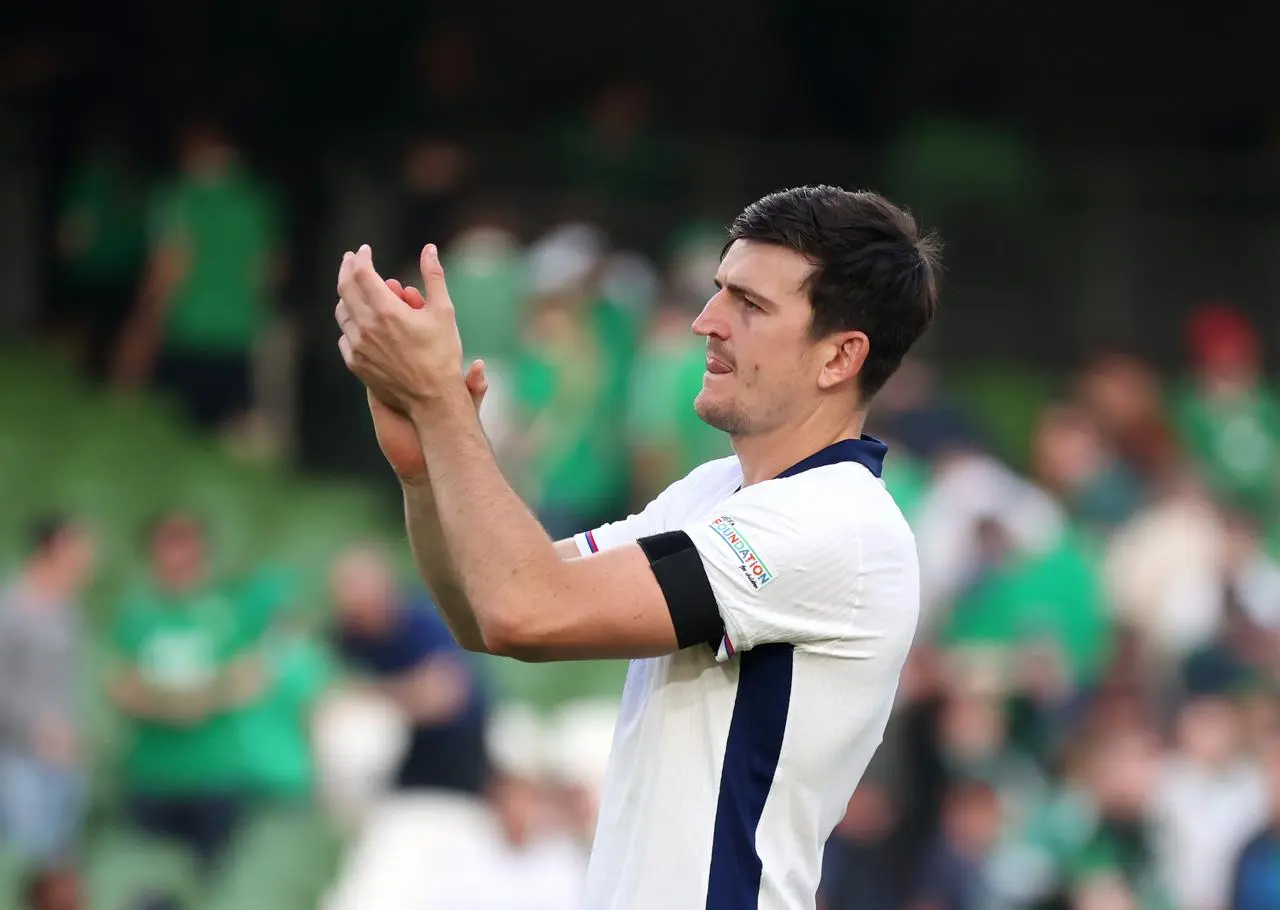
[[1151, 136]]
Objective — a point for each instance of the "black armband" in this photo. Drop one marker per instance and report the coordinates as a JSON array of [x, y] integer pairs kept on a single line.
[[683, 579]]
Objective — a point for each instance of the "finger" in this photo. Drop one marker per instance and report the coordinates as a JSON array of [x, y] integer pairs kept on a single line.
[[342, 314], [366, 278], [433, 276], [344, 345], [413, 297], [349, 291], [344, 270], [477, 383], [396, 287]]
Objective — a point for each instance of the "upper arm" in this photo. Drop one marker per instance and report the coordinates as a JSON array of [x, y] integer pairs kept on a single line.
[[762, 570], [606, 605], [793, 564]]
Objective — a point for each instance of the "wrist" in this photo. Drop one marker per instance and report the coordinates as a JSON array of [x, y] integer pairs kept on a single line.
[[414, 483], [453, 404]]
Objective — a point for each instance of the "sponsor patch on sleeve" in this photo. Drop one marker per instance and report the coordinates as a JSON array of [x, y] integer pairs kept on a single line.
[[753, 567]]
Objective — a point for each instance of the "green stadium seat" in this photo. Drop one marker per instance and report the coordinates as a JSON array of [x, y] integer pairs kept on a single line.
[[124, 866], [284, 858], [13, 874]]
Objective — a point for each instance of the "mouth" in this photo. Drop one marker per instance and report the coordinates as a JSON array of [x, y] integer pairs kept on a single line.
[[717, 367]]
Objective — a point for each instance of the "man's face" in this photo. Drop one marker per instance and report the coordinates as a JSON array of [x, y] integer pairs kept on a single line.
[[74, 554], [762, 364], [363, 591], [177, 554]]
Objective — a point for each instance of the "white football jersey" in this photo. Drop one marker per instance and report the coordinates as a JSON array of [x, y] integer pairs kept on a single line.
[[795, 602]]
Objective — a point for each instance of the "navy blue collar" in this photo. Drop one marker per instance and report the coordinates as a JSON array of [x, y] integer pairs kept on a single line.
[[867, 451]]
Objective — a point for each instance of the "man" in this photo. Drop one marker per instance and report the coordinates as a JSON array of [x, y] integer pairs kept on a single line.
[[404, 647], [41, 772], [770, 598], [188, 671], [206, 297]]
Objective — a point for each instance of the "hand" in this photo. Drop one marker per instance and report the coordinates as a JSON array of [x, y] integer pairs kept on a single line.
[[398, 438], [188, 709], [405, 355], [244, 680]]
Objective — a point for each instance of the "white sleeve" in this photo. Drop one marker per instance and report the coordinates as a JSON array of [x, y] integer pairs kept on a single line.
[[662, 514], [787, 566], [616, 533]]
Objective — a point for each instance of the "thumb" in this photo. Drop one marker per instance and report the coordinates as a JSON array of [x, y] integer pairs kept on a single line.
[[433, 276], [477, 382]]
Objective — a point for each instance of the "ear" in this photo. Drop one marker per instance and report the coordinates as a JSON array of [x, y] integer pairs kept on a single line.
[[845, 353]]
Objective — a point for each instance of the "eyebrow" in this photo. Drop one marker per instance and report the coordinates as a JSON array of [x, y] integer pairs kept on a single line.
[[741, 291]]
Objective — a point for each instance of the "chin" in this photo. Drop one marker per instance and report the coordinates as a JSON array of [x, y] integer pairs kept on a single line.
[[719, 414]]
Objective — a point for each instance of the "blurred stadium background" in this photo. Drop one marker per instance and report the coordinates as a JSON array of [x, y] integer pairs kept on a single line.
[[220, 686]]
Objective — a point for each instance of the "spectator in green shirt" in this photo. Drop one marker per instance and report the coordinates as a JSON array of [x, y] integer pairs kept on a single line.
[[1229, 420], [275, 731], [206, 298], [668, 438], [1049, 601], [187, 673], [101, 242], [571, 383]]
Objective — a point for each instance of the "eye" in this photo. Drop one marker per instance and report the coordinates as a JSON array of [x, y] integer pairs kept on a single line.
[[748, 304]]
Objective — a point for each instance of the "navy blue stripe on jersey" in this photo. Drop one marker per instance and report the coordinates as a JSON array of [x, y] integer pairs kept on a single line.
[[750, 761]]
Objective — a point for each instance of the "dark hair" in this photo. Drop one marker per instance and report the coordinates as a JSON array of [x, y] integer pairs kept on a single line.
[[873, 271], [46, 531]]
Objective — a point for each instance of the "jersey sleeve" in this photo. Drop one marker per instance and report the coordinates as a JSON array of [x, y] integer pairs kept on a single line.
[[654, 518], [615, 533], [776, 571]]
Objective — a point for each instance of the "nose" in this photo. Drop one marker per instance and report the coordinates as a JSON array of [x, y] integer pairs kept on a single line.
[[710, 321]]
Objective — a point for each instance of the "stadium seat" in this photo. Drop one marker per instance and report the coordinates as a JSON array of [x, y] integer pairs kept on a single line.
[[12, 874], [123, 866], [284, 858]]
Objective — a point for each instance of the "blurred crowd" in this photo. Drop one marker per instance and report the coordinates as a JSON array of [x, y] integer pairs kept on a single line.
[[1089, 718], [1088, 721]]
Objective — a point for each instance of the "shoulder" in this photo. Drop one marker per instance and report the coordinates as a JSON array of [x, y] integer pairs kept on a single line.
[[707, 484], [137, 617], [710, 474], [417, 636], [831, 505], [827, 559]]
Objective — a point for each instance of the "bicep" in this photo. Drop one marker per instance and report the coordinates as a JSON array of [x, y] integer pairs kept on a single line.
[[605, 605]]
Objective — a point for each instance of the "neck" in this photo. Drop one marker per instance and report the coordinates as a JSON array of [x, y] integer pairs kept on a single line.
[[766, 455]]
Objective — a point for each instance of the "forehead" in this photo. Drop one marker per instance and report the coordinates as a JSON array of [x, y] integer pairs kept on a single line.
[[772, 271]]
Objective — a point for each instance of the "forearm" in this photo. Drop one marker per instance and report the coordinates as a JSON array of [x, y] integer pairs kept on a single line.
[[431, 556], [503, 560], [137, 698]]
